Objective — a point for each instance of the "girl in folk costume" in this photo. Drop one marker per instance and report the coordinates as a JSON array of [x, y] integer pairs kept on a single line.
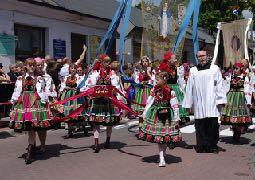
[[31, 111], [161, 117], [128, 84], [183, 75], [67, 89], [174, 82], [102, 107], [226, 78], [236, 112]]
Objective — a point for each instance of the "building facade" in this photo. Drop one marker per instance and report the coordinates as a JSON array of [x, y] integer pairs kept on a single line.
[[27, 29]]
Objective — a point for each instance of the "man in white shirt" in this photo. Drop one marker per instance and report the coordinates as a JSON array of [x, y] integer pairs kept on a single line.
[[205, 91], [64, 71]]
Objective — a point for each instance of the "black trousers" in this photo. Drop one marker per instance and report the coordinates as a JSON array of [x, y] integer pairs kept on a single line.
[[207, 133]]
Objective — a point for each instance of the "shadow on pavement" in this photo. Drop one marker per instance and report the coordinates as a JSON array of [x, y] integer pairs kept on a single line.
[[5, 134], [183, 145], [250, 130], [119, 146], [168, 158], [229, 140], [53, 150], [77, 135]]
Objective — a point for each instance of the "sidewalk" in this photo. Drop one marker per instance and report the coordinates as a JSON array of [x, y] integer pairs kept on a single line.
[[4, 122]]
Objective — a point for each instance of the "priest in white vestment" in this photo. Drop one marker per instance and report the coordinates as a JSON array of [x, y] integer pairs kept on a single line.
[[206, 93]]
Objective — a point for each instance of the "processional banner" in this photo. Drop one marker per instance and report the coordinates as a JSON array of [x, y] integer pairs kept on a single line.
[[161, 22], [234, 40]]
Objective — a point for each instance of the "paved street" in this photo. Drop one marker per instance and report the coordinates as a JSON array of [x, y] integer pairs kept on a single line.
[[129, 158]]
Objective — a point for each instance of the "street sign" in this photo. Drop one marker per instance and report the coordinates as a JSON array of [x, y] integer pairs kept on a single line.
[[59, 48]]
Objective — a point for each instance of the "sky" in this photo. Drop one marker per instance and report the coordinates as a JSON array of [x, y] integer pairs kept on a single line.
[[247, 14]]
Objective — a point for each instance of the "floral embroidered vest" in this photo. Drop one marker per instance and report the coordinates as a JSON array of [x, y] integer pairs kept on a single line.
[[104, 78], [162, 95], [29, 84], [237, 82], [71, 81]]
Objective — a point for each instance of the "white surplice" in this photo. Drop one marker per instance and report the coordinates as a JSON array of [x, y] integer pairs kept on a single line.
[[205, 91]]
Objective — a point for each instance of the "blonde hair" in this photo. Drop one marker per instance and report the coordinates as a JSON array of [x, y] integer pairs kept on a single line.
[[19, 64]]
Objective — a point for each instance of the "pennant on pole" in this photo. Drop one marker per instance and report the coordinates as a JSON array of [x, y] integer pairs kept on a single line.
[[122, 33], [193, 9]]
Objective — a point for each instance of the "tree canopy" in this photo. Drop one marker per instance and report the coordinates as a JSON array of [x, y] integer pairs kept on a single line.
[[214, 11]]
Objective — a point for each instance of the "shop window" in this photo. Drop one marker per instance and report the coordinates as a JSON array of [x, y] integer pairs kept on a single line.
[[30, 41]]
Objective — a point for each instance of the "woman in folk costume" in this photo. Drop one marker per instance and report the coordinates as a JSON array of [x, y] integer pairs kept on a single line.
[[115, 79], [142, 79], [175, 81], [161, 117], [31, 111], [117, 82], [81, 75], [51, 93], [236, 112], [252, 83], [103, 107], [67, 89]]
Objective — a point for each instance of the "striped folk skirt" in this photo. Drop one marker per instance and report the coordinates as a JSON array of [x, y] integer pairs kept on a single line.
[[70, 106], [102, 111], [236, 110], [158, 127], [30, 114], [141, 96]]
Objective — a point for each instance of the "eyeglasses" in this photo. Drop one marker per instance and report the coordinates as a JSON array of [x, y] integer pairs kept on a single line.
[[201, 56]]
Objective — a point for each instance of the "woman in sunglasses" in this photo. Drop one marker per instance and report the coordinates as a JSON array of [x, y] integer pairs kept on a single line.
[[31, 110]]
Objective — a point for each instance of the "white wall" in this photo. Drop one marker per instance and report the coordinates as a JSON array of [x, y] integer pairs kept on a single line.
[[6, 23], [55, 29]]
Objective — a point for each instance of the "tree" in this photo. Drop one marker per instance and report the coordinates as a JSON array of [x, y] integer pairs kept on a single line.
[[214, 11]]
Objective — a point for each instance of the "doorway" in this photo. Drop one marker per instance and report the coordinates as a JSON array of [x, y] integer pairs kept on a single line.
[[77, 42]]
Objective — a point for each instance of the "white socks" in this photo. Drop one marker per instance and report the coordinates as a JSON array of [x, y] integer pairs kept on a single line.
[[162, 162], [162, 153]]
